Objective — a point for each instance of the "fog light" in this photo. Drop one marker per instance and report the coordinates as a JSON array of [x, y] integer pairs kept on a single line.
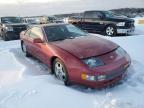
[[84, 76], [101, 77]]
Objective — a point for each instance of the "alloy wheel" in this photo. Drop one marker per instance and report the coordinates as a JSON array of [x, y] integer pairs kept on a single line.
[[60, 71], [110, 31]]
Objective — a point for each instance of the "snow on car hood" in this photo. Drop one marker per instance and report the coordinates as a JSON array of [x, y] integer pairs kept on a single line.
[[86, 46]]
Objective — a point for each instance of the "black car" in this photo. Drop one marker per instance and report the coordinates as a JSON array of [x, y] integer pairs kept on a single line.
[[10, 27], [105, 22]]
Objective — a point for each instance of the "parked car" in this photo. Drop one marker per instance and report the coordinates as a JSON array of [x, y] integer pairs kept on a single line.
[[105, 22], [44, 20], [53, 19], [32, 20], [74, 56], [36, 20], [10, 27]]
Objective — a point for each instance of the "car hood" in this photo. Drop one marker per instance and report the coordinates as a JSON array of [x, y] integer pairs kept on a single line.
[[121, 19], [86, 46], [15, 24]]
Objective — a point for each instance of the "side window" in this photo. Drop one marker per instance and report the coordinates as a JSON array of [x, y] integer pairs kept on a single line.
[[95, 15], [36, 32], [88, 15], [98, 15]]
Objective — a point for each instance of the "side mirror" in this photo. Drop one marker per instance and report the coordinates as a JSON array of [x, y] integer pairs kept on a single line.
[[38, 40]]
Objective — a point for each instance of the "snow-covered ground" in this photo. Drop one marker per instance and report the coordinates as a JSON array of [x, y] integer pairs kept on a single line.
[[26, 82]]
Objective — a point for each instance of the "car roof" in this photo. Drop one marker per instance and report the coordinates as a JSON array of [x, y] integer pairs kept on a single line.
[[9, 16], [50, 24], [96, 11]]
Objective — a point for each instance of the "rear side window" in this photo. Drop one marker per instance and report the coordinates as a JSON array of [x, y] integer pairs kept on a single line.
[[36, 32], [96, 15]]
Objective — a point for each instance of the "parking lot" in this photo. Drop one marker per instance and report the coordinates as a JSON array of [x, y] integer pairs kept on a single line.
[[26, 82]]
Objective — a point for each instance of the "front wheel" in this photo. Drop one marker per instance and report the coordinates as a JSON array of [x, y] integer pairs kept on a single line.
[[110, 30], [24, 50], [6, 37], [60, 71]]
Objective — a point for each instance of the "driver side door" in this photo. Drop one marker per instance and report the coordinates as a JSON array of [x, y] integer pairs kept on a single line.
[[37, 49], [93, 21]]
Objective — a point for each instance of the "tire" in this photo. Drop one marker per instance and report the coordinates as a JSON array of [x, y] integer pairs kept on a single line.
[[6, 37], [1, 34], [24, 50], [110, 30], [60, 71]]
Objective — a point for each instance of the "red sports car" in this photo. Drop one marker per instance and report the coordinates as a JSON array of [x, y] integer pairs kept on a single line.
[[74, 56]]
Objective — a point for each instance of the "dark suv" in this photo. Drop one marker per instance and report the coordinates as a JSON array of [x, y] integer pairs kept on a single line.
[[105, 22], [10, 27]]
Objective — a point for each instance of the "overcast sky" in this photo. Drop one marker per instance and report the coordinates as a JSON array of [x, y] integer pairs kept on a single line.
[[50, 7]]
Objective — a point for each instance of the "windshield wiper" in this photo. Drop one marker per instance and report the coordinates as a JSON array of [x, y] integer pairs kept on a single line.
[[59, 39], [70, 37]]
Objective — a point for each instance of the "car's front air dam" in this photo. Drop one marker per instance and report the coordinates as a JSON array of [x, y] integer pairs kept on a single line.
[[105, 83]]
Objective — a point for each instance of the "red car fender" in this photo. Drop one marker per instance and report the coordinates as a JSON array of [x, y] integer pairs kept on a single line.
[[74, 65]]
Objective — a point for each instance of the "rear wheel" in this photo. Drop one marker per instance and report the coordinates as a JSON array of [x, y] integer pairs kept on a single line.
[[60, 71], [110, 30], [6, 37], [24, 50]]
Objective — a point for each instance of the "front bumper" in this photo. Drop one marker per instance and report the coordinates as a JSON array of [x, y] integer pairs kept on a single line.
[[114, 72], [109, 81], [125, 31], [12, 35]]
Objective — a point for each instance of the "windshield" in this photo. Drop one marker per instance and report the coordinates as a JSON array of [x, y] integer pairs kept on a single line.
[[52, 18], [11, 20], [61, 32], [33, 21], [110, 14]]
